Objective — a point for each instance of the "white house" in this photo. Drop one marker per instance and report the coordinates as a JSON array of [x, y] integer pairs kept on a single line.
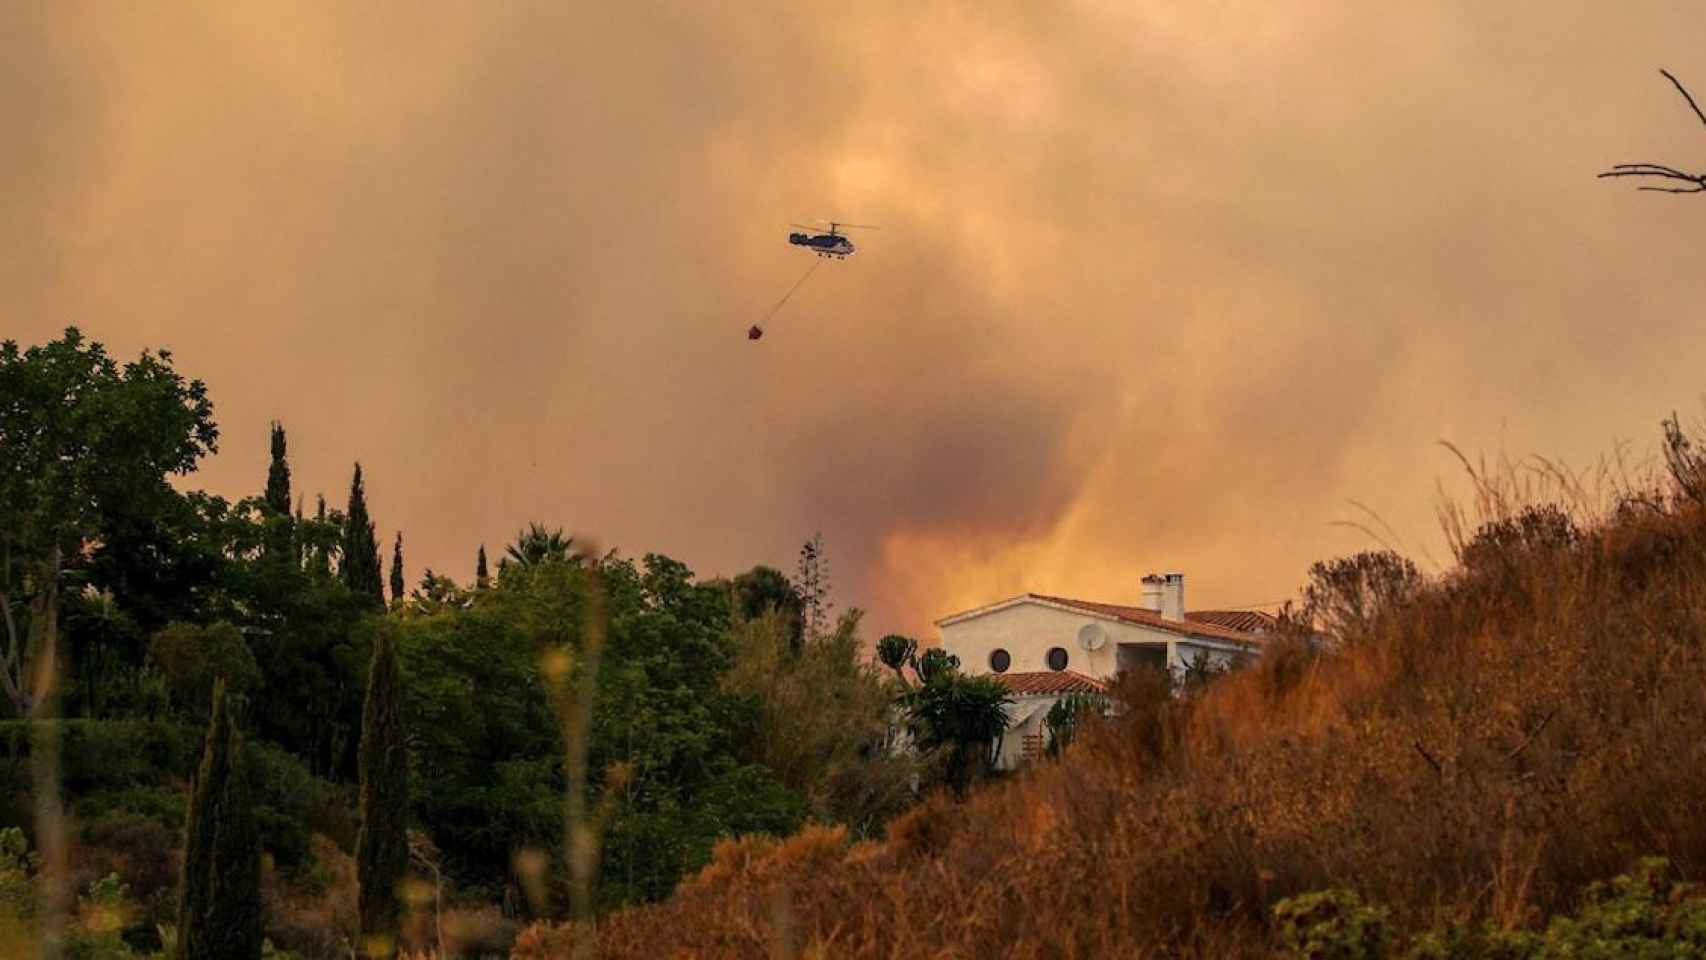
[[1045, 648]]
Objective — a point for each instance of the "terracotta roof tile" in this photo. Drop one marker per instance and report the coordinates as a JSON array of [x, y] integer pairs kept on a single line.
[[1049, 683], [1149, 618], [1247, 621]]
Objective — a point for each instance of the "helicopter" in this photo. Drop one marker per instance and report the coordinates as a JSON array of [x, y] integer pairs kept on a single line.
[[831, 244]]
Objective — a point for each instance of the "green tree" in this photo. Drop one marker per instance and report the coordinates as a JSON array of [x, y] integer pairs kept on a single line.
[[278, 474], [538, 544], [668, 768], [437, 594], [397, 582], [382, 847], [102, 639], [1064, 716], [764, 590], [895, 651], [934, 662], [958, 715], [321, 550], [162, 560], [813, 586], [823, 720], [280, 532], [486, 752], [81, 436], [359, 565], [482, 578], [193, 659], [219, 900]]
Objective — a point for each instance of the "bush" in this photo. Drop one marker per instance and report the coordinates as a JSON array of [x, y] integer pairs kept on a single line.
[[97, 754], [190, 657], [164, 805], [140, 766], [125, 784], [1332, 925], [141, 852], [1641, 914], [17, 863], [479, 932], [295, 804]]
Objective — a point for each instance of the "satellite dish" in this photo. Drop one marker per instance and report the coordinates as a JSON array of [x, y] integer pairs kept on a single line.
[[1091, 637]]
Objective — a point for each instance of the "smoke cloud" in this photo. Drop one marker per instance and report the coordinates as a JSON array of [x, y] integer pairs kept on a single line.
[[1157, 285]]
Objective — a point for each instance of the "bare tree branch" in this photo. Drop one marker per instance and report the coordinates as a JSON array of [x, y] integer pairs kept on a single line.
[[1438, 770], [1685, 95], [1696, 182], [1530, 738], [11, 658]]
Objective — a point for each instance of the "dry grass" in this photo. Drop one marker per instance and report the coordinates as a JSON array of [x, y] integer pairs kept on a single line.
[[1535, 720]]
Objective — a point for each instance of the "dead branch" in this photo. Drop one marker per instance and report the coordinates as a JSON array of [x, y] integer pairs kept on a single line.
[[1530, 738], [1694, 182], [1438, 770], [1685, 95]]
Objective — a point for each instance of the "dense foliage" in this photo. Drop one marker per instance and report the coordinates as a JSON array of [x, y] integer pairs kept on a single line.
[[157, 596]]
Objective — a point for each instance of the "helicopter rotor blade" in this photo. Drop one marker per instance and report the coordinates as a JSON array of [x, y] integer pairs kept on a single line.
[[838, 224]]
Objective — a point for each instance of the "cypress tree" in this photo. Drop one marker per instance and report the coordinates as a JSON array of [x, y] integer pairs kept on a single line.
[[278, 474], [481, 579], [322, 559], [359, 566], [397, 584], [280, 533], [382, 847], [219, 903], [298, 553]]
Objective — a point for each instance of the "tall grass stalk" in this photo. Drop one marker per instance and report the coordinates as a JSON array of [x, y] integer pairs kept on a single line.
[[54, 879]]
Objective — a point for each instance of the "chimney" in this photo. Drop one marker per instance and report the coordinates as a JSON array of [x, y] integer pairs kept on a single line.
[[1152, 585], [1173, 597]]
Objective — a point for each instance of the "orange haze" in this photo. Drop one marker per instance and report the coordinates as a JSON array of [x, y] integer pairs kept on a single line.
[[1159, 284]]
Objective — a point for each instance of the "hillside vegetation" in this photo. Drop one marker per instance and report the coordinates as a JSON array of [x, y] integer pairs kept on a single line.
[[1455, 769], [429, 767]]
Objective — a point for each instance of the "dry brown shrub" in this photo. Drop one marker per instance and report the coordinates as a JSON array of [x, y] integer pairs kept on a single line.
[[478, 932], [731, 858], [924, 831], [316, 922]]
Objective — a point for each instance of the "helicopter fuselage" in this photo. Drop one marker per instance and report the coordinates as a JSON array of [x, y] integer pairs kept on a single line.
[[825, 244]]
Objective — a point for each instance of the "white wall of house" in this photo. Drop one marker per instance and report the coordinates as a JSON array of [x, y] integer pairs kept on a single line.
[[1025, 718], [1028, 629]]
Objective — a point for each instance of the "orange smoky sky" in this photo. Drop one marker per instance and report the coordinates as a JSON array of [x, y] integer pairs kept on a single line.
[[1159, 284]]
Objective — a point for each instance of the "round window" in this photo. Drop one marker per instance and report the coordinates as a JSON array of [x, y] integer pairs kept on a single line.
[[1057, 658], [999, 660]]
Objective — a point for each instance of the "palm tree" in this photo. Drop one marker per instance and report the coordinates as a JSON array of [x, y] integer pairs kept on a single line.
[[896, 651], [537, 544], [963, 715]]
